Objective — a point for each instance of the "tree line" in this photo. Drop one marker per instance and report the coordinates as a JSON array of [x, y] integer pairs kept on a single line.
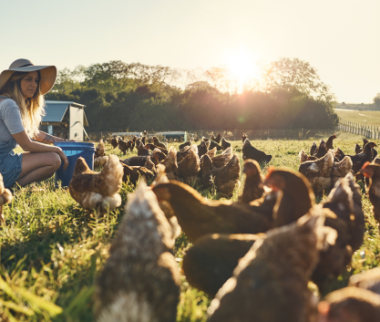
[[135, 97]]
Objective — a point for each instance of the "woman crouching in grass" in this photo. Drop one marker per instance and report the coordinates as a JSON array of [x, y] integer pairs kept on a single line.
[[22, 87]]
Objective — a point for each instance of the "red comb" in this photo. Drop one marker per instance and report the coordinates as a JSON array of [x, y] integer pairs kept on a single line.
[[271, 169]]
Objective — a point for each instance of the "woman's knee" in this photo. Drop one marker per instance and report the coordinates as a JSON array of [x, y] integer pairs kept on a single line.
[[55, 160]]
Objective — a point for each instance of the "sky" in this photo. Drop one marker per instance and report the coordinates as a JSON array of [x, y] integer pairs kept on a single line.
[[340, 38]]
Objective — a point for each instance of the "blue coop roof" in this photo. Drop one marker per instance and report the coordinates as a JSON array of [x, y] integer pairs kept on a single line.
[[56, 110]]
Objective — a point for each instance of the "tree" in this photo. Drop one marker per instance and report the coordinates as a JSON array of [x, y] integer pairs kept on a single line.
[[289, 74], [376, 100]]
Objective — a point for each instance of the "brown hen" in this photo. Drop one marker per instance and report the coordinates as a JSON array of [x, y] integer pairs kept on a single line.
[[97, 190], [198, 216], [372, 171], [189, 167], [132, 174], [254, 186], [270, 283]]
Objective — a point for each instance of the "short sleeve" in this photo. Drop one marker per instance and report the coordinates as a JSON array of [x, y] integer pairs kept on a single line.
[[11, 116]]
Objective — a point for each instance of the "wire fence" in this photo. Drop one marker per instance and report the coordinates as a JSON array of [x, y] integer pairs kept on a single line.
[[370, 132]]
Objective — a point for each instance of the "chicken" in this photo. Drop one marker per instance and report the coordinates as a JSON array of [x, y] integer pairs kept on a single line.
[[152, 147], [358, 149], [124, 146], [341, 169], [270, 283], [318, 172], [363, 157], [199, 216], [221, 160], [141, 150], [158, 156], [140, 280], [100, 161], [321, 150], [225, 179], [225, 144], [100, 150], [213, 258], [132, 174], [115, 142], [136, 161], [149, 164], [254, 186], [170, 163], [329, 143], [212, 153], [202, 148], [143, 140], [213, 145], [303, 156], [159, 144], [243, 137], [313, 149], [218, 138], [350, 304], [5, 197], [189, 167], [372, 171], [97, 190], [295, 196], [249, 152], [339, 154], [183, 145]]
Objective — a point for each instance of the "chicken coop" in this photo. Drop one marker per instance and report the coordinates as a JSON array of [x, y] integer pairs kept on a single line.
[[65, 119]]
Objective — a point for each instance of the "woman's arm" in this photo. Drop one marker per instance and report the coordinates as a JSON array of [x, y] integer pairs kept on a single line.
[[28, 145], [47, 138]]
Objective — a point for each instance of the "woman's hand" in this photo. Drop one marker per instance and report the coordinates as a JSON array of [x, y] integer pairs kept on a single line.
[[63, 158]]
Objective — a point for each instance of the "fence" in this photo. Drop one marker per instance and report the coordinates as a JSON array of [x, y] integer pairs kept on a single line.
[[370, 132]]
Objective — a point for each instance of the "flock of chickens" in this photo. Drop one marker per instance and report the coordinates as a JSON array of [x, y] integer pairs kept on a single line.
[[256, 256]]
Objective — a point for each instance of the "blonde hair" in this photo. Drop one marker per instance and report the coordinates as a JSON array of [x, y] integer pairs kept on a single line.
[[32, 109]]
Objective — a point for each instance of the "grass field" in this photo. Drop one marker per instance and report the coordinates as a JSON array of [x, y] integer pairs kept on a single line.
[[52, 251], [371, 118]]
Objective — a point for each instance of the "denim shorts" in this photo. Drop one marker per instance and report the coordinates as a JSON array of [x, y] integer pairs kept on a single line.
[[10, 167]]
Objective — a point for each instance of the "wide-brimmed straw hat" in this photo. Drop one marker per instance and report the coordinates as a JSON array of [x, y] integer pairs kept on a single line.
[[48, 73]]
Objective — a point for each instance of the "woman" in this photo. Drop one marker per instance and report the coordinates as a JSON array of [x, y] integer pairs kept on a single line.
[[21, 111]]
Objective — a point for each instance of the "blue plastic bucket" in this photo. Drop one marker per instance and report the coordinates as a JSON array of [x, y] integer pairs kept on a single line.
[[73, 151]]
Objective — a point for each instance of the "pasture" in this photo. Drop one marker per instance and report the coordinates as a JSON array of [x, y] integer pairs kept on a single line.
[[52, 251], [369, 118]]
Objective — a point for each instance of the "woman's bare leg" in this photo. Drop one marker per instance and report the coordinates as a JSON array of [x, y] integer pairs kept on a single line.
[[38, 167]]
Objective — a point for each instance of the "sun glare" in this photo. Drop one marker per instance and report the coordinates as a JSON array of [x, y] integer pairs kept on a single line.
[[242, 68]]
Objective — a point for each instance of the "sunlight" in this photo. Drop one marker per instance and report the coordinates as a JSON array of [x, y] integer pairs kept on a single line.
[[242, 68]]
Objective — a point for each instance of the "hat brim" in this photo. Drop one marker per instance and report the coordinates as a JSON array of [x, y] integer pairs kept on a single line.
[[48, 76]]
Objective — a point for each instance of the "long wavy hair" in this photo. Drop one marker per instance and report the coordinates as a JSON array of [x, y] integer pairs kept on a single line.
[[32, 109]]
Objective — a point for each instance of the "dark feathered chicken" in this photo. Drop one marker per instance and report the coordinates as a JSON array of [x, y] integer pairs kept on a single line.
[[329, 143], [134, 173], [213, 258], [363, 157], [295, 196], [135, 161], [158, 143], [152, 147], [254, 186], [243, 137], [313, 149], [115, 142], [372, 171], [125, 146], [249, 152], [198, 216], [141, 150], [225, 179], [183, 145], [215, 145], [321, 150], [225, 144], [202, 148], [270, 283], [140, 280]]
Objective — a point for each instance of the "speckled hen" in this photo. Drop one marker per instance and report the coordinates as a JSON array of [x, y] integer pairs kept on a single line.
[[140, 281]]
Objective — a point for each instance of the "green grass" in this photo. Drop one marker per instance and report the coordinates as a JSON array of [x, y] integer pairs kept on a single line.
[[52, 251], [370, 118]]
